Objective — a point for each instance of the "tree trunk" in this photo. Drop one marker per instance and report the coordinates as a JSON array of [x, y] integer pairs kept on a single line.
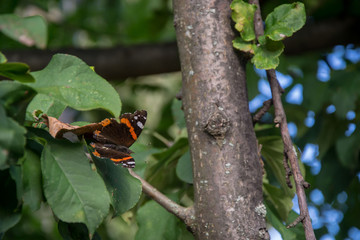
[[227, 170]]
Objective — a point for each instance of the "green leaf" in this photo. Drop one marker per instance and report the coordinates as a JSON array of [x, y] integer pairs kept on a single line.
[[10, 213], [243, 16], [155, 223], [3, 59], [11, 91], [329, 128], [333, 169], [184, 168], [16, 175], [285, 20], [141, 153], [353, 203], [15, 97], [347, 149], [273, 152], [74, 191], [344, 102], [244, 46], [288, 234], [75, 231], [124, 190], [46, 104], [175, 151], [30, 31], [68, 80], [252, 81], [12, 138], [16, 71], [3, 158], [169, 155], [31, 172], [178, 113], [278, 198], [267, 56]]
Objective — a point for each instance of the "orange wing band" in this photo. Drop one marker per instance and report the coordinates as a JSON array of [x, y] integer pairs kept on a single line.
[[120, 159], [105, 122], [128, 124], [96, 153]]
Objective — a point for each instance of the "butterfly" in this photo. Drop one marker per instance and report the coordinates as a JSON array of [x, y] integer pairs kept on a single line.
[[113, 140]]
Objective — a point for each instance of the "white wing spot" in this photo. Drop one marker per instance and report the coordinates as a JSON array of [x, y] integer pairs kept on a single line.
[[140, 125]]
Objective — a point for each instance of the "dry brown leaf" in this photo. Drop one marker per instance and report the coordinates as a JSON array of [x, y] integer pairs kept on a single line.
[[57, 128]]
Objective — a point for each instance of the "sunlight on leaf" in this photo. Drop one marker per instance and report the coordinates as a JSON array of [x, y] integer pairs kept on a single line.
[[30, 31], [243, 16]]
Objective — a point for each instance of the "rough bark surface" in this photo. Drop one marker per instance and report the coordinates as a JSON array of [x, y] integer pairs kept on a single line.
[[227, 171]]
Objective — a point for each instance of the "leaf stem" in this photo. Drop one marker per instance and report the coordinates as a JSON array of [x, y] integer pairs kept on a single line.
[[161, 138]]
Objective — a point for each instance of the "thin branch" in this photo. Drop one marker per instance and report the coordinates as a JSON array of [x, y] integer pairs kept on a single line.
[[183, 213], [287, 170], [280, 118], [289, 152], [265, 108]]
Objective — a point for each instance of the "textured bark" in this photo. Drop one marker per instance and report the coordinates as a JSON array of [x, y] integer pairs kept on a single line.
[[227, 171]]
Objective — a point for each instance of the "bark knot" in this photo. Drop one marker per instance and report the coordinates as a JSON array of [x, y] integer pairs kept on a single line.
[[218, 124], [264, 234]]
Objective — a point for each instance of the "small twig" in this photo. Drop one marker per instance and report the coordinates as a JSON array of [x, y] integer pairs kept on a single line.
[[289, 153], [183, 213], [287, 170], [260, 158], [265, 108], [299, 219]]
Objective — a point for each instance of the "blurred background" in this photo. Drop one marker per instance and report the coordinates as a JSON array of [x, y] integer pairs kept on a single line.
[[132, 44]]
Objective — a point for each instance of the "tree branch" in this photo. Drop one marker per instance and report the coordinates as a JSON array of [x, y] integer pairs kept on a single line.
[[139, 60], [185, 214], [110, 63], [289, 152], [265, 108]]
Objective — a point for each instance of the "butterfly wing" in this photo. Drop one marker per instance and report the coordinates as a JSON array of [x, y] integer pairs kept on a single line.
[[124, 133], [117, 154], [115, 138]]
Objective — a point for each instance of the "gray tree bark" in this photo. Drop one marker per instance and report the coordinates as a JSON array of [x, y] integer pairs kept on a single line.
[[227, 170]]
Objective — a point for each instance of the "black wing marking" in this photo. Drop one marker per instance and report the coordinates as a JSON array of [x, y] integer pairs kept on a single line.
[[117, 154], [124, 133]]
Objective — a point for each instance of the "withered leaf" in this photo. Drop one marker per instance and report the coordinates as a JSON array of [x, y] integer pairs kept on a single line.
[[57, 128]]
